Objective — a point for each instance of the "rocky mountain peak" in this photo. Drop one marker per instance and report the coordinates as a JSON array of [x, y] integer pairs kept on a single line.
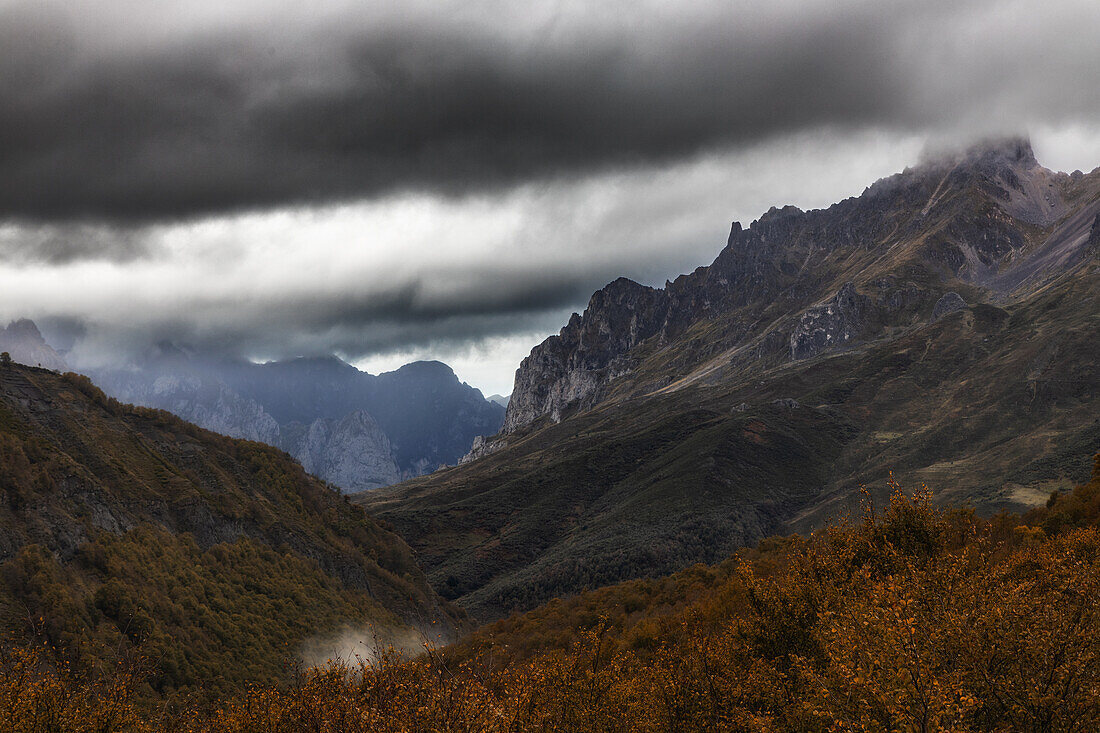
[[619, 316], [25, 328], [620, 292], [735, 232], [427, 370], [24, 342], [778, 214], [1013, 150]]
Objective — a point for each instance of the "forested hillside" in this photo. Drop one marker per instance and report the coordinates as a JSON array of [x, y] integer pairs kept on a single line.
[[127, 530]]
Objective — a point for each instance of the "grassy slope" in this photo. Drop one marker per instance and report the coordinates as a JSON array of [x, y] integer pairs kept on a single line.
[[995, 405], [909, 618], [610, 494]]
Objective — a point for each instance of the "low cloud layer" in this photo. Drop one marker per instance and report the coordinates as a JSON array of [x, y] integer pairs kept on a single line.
[[110, 111], [420, 276]]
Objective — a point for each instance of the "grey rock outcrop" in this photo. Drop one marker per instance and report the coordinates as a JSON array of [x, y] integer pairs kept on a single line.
[[482, 447], [352, 452], [830, 325], [948, 303], [572, 369], [1093, 242]]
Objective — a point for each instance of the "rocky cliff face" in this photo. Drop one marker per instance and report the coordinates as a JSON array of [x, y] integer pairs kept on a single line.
[[481, 447], [573, 368], [207, 403], [352, 453], [796, 285], [830, 325], [212, 406]]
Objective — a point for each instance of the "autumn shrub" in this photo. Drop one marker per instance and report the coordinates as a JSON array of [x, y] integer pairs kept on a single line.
[[40, 695]]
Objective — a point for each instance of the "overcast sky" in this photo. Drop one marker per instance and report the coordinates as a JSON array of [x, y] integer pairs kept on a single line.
[[392, 181]]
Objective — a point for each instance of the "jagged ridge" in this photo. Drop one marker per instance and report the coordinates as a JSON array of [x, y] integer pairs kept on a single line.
[[797, 284]]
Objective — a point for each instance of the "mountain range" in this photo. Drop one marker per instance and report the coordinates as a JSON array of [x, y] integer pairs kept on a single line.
[[940, 326], [355, 430]]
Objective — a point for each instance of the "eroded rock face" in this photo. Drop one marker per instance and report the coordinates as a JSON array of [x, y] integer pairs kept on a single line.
[[1094, 236], [948, 303], [482, 447], [830, 325], [211, 406], [572, 368], [352, 453], [208, 404]]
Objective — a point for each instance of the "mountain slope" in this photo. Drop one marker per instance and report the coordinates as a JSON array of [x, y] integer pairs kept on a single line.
[[608, 494], [990, 224], [124, 527], [941, 325]]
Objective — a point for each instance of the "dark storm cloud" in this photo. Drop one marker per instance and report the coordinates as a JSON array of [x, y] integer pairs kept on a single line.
[[361, 322], [353, 324], [94, 124], [57, 244], [273, 179], [514, 293]]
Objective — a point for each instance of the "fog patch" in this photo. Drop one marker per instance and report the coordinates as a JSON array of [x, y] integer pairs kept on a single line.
[[366, 644]]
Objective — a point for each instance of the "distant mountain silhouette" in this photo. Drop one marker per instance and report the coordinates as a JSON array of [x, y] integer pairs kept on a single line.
[[407, 422]]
